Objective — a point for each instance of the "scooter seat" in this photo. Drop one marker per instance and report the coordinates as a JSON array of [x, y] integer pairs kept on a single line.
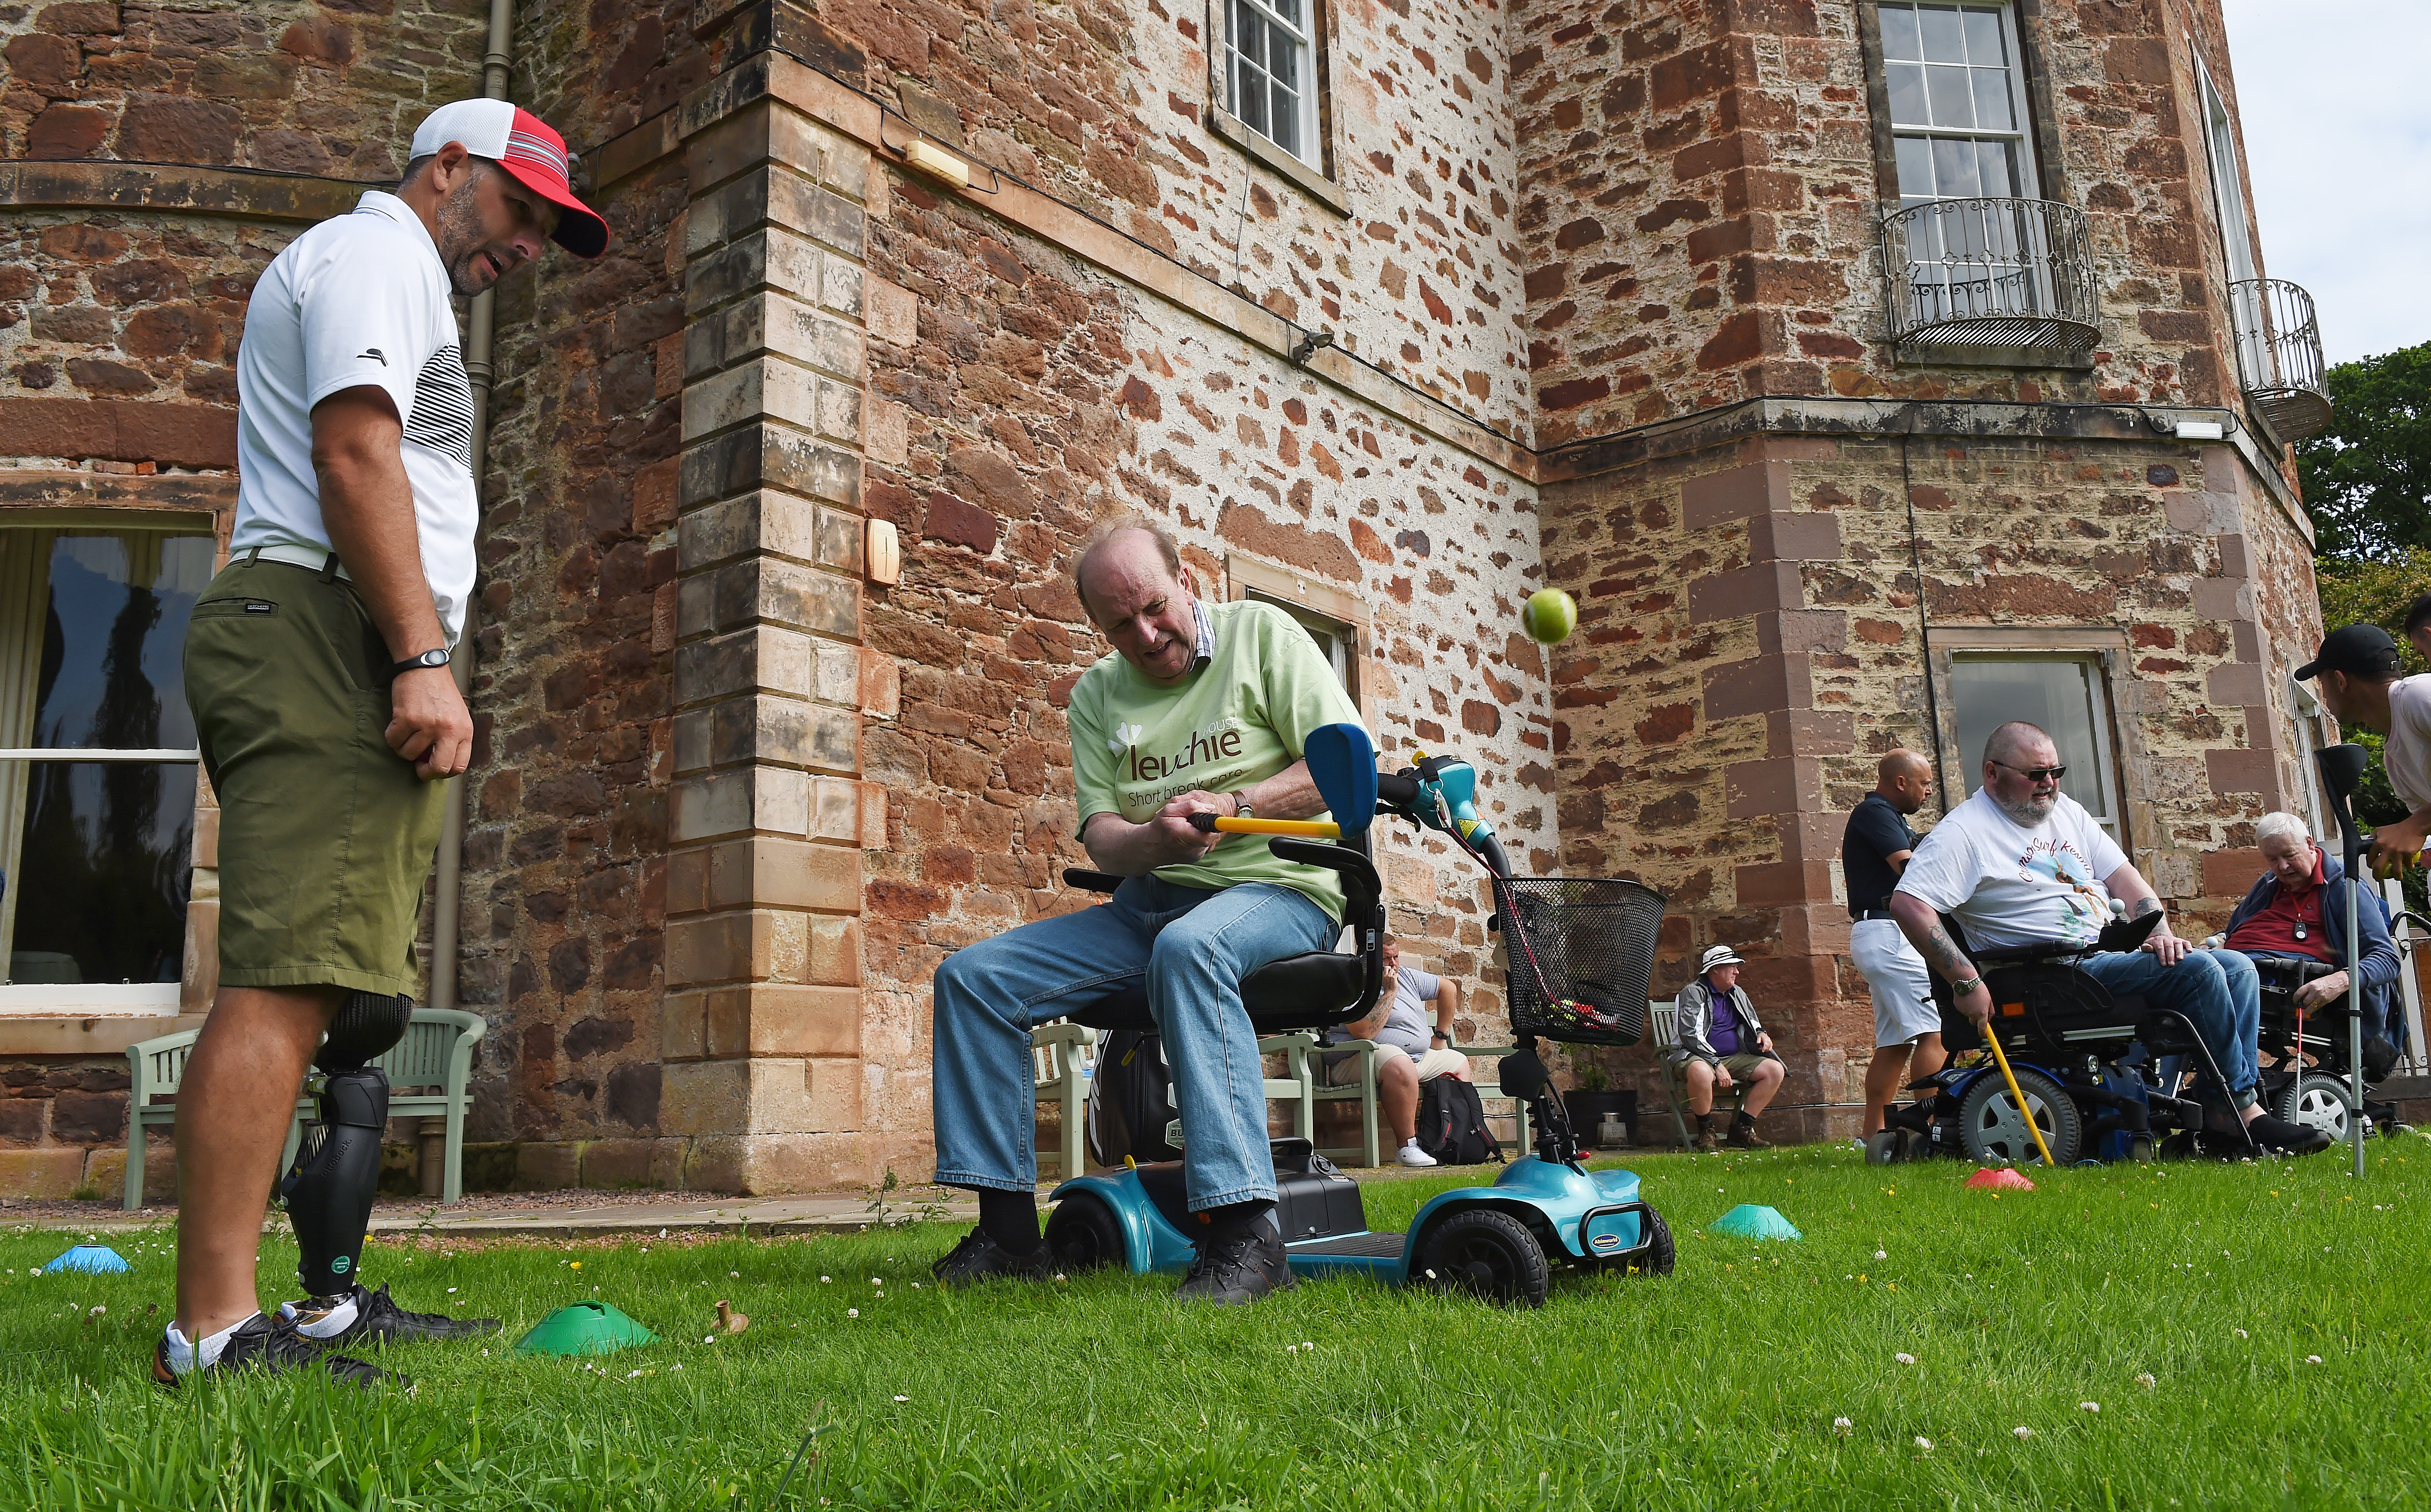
[[1316, 989]]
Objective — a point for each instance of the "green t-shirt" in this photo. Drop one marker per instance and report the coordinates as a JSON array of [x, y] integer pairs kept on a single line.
[[1241, 718]]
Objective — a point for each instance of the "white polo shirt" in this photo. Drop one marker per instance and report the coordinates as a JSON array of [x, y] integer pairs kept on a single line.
[[358, 299]]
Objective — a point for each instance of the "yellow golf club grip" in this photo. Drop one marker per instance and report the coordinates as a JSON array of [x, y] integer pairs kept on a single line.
[[1304, 828]]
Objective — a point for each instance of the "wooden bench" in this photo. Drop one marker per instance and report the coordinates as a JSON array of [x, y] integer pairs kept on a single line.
[[436, 1053]]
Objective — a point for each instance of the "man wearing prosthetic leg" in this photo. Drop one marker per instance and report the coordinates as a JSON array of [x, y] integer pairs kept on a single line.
[[1203, 709], [317, 671]]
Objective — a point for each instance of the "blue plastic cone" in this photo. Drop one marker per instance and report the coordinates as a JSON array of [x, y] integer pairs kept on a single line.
[[92, 1259], [1749, 1221]]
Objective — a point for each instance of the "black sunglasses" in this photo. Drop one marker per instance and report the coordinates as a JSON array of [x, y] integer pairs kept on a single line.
[[2035, 774]]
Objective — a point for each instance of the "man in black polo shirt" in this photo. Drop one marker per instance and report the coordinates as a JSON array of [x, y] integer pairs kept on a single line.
[[1873, 852]]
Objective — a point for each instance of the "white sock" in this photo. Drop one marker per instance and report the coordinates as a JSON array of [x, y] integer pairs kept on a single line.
[[1410, 1143], [186, 1357], [327, 1325]]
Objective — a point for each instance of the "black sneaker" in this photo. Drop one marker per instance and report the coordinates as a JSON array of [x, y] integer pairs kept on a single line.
[[2279, 1138], [979, 1258], [1237, 1272], [380, 1322], [268, 1341]]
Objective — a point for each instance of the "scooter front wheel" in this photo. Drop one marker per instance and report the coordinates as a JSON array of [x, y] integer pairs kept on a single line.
[[1489, 1255], [1083, 1233]]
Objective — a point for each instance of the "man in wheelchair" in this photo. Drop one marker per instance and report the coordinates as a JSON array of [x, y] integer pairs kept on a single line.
[[1200, 709], [2296, 913], [2021, 864]]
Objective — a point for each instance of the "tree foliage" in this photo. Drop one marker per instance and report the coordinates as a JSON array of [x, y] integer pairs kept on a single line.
[[2366, 478]]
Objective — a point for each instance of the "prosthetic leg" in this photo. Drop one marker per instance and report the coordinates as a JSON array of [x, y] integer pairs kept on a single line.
[[330, 1190]]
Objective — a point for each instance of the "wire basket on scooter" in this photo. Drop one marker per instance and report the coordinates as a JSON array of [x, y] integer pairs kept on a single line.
[[1577, 952]]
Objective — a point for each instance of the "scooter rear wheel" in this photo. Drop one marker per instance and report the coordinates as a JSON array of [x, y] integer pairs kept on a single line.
[[1489, 1255], [1660, 1254], [1083, 1233]]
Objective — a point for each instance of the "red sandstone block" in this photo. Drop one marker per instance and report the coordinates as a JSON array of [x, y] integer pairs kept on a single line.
[[2230, 873]]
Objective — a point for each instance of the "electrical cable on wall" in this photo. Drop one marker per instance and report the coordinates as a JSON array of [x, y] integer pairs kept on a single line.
[[1923, 624]]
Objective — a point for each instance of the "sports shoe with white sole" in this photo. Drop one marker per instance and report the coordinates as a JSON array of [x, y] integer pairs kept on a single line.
[[376, 1321], [268, 1341], [1411, 1155]]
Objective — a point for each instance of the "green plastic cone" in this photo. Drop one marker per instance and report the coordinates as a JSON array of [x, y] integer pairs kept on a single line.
[[1749, 1221], [584, 1328]]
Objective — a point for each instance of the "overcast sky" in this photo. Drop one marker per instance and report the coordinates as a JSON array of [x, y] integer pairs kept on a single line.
[[2336, 120]]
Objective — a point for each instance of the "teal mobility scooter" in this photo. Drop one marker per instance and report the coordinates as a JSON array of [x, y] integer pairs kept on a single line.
[[1581, 951]]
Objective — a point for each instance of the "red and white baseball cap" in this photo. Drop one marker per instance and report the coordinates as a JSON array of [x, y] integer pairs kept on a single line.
[[522, 144]]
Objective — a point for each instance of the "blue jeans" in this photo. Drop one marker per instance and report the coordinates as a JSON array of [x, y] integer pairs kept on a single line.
[[1193, 946], [2217, 989]]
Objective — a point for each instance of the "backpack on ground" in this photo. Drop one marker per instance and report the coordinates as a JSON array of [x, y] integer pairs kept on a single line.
[[1130, 1101], [1451, 1123]]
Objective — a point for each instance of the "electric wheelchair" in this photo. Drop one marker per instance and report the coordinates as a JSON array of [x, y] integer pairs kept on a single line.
[[2083, 1056], [2308, 1063]]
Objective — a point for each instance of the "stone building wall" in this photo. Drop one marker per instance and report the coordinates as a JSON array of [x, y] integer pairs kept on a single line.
[[733, 801], [1705, 179]]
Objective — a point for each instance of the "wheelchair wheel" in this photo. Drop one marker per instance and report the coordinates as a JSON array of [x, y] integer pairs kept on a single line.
[[2316, 1102], [1883, 1146], [1083, 1233], [1992, 1132], [1489, 1255]]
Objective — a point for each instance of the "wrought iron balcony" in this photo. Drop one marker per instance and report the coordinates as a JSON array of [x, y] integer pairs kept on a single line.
[[2279, 356], [2008, 280]]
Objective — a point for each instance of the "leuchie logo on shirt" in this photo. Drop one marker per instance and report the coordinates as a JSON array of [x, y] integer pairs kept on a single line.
[[1219, 741]]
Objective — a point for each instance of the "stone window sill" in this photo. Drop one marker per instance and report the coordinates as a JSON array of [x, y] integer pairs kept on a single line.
[[1324, 191]]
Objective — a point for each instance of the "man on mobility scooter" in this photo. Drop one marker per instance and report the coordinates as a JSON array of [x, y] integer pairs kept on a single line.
[[2021, 864], [1200, 710]]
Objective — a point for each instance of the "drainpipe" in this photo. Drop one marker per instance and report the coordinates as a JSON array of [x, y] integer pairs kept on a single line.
[[448, 915]]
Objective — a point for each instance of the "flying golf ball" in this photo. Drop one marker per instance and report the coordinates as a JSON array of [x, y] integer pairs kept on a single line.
[[1550, 617]]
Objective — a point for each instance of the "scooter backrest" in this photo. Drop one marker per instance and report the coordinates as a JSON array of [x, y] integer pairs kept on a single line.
[[1342, 762]]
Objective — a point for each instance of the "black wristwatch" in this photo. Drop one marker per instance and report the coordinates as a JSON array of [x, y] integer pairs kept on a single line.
[[436, 656]]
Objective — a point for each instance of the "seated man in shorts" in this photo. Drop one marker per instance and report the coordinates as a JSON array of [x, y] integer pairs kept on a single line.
[[1200, 708], [2298, 912], [2021, 863], [1415, 1052], [1721, 1045]]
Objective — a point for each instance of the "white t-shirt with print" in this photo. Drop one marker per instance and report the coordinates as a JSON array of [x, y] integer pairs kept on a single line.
[[2407, 754], [358, 299], [2009, 885]]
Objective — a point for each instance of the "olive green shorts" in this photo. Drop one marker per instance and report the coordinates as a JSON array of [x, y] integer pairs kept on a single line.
[[326, 834]]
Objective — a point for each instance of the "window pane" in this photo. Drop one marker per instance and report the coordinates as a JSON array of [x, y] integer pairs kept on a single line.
[[1249, 33], [1907, 94], [1996, 169], [1285, 131], [1250, 95], [1945, 38], [1993, 99], [1915, 167], [1983, 45], [1954, 169], [1953, 96], [104, 873], [113, 642], [1289, 10], [1899, 33], [2058, 695]]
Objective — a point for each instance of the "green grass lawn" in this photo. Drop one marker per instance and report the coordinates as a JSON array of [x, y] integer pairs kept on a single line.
[[2253, 1336]]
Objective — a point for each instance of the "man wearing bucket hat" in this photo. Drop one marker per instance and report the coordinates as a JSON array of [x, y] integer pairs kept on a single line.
[[1721, 1045], [2358, 671], [317, 671]]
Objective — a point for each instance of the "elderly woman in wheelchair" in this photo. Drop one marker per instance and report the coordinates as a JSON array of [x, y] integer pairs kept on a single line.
[[2011, 902]]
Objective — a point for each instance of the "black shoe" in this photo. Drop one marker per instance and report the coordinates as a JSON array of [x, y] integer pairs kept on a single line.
[[380, 1322], [2287, 1138], [268, 1341], [1237, 1272], [979, 1258]]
